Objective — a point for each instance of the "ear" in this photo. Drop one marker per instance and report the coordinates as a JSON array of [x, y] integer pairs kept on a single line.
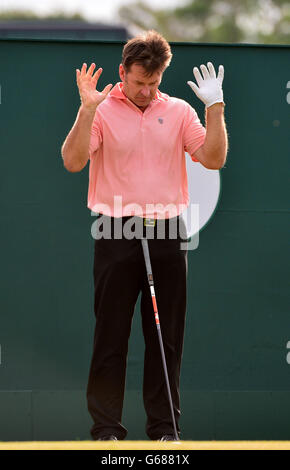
[[121, 72]]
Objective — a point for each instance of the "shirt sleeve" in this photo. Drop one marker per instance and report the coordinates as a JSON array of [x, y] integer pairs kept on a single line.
[[194, 132], [96, 136]]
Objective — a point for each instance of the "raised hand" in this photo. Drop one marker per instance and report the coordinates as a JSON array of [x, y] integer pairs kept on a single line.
[[87, 83], [209, 89]]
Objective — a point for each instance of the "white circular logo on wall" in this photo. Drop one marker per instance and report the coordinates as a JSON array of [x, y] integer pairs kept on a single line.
[[204, 190]]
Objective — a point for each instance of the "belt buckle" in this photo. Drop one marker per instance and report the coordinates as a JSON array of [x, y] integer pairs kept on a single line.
[[149, 222]]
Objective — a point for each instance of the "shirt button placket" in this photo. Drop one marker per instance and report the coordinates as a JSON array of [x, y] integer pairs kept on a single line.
[[143, 137]]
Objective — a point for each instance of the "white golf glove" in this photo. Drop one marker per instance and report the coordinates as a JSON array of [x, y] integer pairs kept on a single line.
[[209, 89]]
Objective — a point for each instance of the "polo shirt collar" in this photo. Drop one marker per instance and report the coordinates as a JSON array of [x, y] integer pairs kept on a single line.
[[117, 92]]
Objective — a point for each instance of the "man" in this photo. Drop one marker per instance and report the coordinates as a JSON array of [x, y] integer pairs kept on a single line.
[[135, 137]]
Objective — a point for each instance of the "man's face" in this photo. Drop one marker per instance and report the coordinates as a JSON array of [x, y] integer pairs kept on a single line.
[[139, 88]]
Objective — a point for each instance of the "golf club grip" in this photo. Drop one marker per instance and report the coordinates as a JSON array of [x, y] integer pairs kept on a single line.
[[150, 277], [147, 257]]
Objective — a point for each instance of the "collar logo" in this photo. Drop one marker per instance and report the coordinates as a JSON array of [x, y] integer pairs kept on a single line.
[[160, 120]]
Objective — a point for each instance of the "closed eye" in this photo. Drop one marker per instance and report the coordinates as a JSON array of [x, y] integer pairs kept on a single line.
[[140, 83]]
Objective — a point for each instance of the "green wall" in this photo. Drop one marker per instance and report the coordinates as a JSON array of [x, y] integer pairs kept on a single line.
[[235, 378]]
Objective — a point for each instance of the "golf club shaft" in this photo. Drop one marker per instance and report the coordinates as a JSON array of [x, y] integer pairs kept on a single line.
[[151, 285]]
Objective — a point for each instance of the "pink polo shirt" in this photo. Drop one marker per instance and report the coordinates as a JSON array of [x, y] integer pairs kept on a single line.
[[137, 159]]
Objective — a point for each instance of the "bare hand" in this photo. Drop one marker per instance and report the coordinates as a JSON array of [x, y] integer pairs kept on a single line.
[[87, 83]]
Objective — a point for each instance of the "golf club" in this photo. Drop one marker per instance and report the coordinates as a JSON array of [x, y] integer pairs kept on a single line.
[[151, 285]]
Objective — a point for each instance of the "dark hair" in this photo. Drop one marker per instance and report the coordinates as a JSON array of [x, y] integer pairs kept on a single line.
[[150, 50]]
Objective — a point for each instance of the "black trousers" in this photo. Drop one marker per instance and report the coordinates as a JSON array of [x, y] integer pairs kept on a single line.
[[119, 276]]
